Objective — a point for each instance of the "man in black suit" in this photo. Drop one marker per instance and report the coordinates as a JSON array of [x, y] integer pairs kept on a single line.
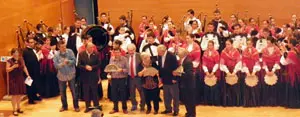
[[31, 60], [135, 82], [187, 83], [167, 64], [89, 63]]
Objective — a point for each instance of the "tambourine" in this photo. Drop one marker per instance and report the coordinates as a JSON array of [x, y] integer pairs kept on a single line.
[[251, 80], [210, 80], [271, 80], [150, 71], [231, 79], [111, 68]]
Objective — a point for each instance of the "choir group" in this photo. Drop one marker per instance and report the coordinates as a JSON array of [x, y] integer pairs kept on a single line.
[[222, 64]]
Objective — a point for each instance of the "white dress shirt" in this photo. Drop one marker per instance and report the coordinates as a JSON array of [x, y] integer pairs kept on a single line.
[[163, 59]]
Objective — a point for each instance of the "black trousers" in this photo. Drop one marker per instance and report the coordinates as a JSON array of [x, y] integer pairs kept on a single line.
[[31, 92], [152, 95], [119, 92], [90, 93], [78, 85], [188, 96]]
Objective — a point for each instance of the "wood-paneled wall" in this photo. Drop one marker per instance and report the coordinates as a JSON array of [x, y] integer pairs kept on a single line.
[[13, 13], [281, 10], [3, 83]]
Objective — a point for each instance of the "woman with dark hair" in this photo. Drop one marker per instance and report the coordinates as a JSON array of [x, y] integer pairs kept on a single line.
[[270, 59], [232, 22], [48, 71], [143, 27], [266, 24], [291, 60], [65, 34], [166, 19], [230, 64], [168, 34], [194, 28], [251, 67], [243, 25], [210, 66], [16, 69], [252, 26]]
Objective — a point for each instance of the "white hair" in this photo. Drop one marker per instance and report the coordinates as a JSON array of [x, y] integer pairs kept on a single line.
[[144, 55], [161, 47], [131, 46]]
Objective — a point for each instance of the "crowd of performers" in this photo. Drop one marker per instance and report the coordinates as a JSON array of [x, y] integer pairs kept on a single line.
[[238, 48]]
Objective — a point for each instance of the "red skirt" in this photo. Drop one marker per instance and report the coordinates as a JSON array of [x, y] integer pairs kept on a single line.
[[17, 85]]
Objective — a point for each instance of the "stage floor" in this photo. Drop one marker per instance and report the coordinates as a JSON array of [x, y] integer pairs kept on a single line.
[[50, 108]]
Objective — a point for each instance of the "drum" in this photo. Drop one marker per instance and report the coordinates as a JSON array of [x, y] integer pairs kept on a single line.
[[99, 34], [100, 39]]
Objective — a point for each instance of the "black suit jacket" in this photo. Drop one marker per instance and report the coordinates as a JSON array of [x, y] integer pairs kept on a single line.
[[138, 61], [71, 44], [166, 72], [94, 61], [187, 80], [31, 62]]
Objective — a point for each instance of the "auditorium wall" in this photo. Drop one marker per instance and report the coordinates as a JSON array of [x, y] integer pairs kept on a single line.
[[13, 13], [281, 10]]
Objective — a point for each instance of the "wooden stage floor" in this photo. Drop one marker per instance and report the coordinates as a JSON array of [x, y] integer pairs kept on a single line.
[[49, 108]]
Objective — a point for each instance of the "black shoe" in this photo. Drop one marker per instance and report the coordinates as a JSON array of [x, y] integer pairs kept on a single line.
[[166, 112], [15, 113], [113, 111], [175, 114], [63, 109], [77, 110], [125, 111], [20, 111], [156, 112], [98, 107], [87, 110], [148, 111], [31, 102], [39, 98], [133, 108]]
